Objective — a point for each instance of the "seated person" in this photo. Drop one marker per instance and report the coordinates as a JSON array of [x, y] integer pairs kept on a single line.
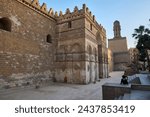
[[124, 79]]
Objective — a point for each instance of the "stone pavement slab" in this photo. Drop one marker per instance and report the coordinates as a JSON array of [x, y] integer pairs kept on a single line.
[[61, 91]]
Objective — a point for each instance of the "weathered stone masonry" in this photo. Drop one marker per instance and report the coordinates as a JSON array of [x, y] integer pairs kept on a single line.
[[118, 46], [36, 43]]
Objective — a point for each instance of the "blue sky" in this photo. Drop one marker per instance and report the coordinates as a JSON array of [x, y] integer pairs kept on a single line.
[[130, 13]]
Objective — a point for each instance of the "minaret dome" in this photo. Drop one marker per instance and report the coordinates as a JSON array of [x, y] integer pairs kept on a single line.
[[117, 29]]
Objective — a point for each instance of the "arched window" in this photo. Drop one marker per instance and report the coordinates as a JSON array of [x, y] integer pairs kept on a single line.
[[49, 39], [5, 24]]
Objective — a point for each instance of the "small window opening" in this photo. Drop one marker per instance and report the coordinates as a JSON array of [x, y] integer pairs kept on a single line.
[[69, 24], [49, 39], [5, 24], [91, 26]]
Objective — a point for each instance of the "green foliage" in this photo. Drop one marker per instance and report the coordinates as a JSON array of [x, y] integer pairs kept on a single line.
[[142, 55], [142, 34]]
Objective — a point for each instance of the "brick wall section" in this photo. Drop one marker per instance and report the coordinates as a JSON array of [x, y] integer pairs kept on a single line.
[[24, 50]]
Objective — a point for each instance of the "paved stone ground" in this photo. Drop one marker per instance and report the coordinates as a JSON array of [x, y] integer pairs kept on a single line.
[[139, 95], [61, 91]]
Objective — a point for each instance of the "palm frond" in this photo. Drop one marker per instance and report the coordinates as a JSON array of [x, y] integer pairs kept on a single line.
[[133, 35]]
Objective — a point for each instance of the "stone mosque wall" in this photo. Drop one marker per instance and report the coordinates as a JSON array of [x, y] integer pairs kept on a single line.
[[36, 43]]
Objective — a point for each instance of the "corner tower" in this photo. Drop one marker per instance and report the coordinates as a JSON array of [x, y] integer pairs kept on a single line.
[[77, 47]]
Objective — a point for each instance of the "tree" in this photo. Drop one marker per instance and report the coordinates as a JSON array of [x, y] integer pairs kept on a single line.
[[142, 34], [142, 57]]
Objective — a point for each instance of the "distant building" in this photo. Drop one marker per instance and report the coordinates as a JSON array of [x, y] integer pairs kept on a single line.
[[118, 46], [133, 53]]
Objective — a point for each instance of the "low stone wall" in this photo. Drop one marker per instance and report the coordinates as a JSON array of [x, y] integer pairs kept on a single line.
[[135, 80], [140, 87], [111, 91]]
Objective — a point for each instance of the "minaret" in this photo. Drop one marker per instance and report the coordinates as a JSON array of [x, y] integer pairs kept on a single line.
[[117, 29]]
